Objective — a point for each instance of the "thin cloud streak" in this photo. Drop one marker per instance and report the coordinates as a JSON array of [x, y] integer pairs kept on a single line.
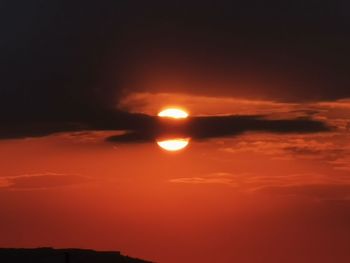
[[39, 181], [312, 185]]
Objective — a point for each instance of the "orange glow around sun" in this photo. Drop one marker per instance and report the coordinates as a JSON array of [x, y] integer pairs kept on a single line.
[[175, 113]]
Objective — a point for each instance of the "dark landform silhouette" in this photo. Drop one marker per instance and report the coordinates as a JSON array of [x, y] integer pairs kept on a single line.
[[71, 255]]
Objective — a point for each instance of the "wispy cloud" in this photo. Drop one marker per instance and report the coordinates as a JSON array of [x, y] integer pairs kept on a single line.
[[342, 164], [312, 146], [223, 179], [313, 185], [44, 180]]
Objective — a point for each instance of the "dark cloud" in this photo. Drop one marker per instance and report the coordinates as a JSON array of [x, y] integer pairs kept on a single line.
[[55, 59], [294, 50], [65, 65], [107, 120], [201, 128], [145, 128]]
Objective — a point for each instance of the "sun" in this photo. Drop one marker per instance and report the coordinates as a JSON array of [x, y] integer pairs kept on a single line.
[[175, 113], [177, 143], [174, 145]]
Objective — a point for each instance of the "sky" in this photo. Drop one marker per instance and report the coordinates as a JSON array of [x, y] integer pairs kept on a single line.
[[265, 176]]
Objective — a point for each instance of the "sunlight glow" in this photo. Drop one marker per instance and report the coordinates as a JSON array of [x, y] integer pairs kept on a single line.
[[173, 113], [173, 145]]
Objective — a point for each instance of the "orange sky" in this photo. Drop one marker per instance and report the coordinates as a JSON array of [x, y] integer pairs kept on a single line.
[[256, 197]]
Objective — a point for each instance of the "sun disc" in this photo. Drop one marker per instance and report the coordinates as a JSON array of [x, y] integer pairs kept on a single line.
[[173, 145], [173, 113]]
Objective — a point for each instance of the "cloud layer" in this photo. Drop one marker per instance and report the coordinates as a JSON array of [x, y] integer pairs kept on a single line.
[[201, 128]]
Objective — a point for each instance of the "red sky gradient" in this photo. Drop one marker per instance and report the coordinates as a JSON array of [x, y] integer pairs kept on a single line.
[[256, 197]]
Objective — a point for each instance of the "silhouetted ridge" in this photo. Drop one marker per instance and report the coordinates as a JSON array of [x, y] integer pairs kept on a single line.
[[51, 255]]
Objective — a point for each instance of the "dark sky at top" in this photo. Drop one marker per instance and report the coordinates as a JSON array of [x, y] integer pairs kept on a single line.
[[72, 60]]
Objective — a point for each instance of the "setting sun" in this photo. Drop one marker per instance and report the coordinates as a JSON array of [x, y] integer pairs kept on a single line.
[[174, 144], [173, 113]]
